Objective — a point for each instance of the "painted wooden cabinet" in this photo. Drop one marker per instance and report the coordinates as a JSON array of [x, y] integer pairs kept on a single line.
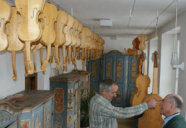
[[36, 109], [118, 67], [66, 100], [95, 69]]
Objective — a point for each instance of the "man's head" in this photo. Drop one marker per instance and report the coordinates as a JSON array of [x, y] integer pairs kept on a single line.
[[171, 104], [108, 89]]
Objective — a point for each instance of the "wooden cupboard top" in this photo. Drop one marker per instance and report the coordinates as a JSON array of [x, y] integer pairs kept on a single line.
[[28, 100], [67, 77]]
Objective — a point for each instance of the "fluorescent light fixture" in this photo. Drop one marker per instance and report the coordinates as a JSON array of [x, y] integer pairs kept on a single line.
[[106, 22]]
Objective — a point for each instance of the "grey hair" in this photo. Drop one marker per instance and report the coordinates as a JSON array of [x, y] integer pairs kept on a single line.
[[178, 101], [106, 84]]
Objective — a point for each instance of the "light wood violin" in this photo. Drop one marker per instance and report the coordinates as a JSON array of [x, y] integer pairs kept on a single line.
[[29, 29], [152, 117], [5, 12], [74, 42], [15, 44], [48, 16], [68, 41], [60, 36]]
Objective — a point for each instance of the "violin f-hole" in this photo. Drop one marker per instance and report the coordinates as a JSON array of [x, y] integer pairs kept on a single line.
[[0, 22], [34, 13]]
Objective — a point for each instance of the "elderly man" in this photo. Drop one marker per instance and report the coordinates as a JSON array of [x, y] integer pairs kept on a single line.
[[103, 115], [171, 107]]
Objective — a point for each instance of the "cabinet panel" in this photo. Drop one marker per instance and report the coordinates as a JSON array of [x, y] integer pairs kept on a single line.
[[60, 104], [95, 69], [108, 70], [132, 74], [37, 117], [48, 114]]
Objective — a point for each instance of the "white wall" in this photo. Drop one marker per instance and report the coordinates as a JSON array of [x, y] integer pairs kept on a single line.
[[9, 86], [182, 75], [118, 44], [167, 73]]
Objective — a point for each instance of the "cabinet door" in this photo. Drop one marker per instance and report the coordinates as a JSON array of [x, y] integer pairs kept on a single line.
[[108, 66], [120, 77], [132, 74], [37, 117], [25, 120], [48, 115], [94, 67]]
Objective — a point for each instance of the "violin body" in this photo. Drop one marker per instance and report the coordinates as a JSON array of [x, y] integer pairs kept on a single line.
[[142, 38], [68, 41], [60, 36], [29, 29], [78, 44], [15, 44], [67, 32], [48, 17], [152, 117], [4, 17], [74, 41], [141, 83]]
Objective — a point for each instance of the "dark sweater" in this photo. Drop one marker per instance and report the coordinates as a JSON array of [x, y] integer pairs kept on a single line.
[[176, 122]]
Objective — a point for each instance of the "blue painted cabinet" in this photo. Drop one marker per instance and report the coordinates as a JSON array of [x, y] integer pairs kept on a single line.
[[35, 109], [66, 100], [38, 110], [118, 67]]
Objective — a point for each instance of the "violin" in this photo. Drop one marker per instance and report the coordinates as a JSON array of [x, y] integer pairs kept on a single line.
[[78, 44], [141, 83], [60, 36], [15, 44], [74, 41], [29, 29], [4, 17], [142, 38], [48, 16], [68, 41], [152, 117]]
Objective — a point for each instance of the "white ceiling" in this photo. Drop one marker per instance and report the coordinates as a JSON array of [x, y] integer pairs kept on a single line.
[[143, 19]]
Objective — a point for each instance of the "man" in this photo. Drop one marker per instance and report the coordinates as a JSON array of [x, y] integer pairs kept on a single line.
[[171, 107], [103, 115]]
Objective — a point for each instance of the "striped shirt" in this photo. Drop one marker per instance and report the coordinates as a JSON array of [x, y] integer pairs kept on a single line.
[[103, 115]]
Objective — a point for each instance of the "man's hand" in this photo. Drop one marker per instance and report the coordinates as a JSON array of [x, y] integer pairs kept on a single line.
[[151, 103]]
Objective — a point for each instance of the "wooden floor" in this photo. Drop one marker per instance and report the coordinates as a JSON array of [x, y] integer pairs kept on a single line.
[[125, 123]]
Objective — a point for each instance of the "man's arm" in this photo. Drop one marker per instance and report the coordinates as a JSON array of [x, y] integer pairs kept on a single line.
[[118, 112]]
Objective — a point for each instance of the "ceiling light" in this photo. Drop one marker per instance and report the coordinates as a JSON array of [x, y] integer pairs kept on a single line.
[[105, 22]]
